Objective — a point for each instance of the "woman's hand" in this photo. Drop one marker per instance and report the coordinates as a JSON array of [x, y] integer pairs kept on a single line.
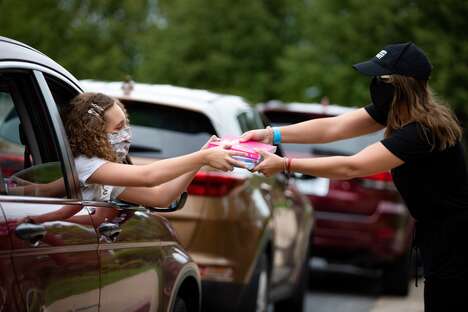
[[221, 158], [270, 165], [259, 135]]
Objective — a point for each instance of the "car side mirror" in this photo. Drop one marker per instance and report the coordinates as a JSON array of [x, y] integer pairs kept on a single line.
[[174, 206], [123, 205]]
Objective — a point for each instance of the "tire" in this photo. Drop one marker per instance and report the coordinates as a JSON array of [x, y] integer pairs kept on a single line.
[[295, 303], [256, 299], [396, 277], [179, 305]]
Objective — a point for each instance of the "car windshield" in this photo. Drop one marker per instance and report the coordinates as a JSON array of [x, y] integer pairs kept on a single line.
[[161, 131], [342, 147]]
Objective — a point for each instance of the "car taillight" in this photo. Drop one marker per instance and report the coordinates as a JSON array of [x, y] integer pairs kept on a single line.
[[380, 181], [213, 184]]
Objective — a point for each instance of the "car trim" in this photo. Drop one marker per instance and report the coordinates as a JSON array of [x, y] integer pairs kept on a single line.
[[88, 247], [113, 246], [41, 68]]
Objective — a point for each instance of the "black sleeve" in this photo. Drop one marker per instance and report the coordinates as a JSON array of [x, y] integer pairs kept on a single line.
[[377, 113], [409, 143]]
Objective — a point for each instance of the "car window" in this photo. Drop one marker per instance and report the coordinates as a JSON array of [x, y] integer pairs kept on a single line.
[[250, 120], [161, 131], [61, 92], [29, 163]]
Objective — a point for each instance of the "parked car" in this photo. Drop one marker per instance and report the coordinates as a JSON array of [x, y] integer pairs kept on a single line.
[[81, 255], [362, 221], [249, 234]]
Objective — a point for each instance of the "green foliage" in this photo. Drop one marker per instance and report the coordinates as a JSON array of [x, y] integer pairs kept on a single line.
[[339, 33], [217, 45], [260, 49]]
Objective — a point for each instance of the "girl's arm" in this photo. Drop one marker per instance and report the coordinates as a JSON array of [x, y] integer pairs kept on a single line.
[[373, 159], [158, 196], [321, 130], [52, 189], [165, 170]]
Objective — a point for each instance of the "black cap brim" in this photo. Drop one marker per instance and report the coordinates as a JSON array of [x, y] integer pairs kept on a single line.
[[371, 68]]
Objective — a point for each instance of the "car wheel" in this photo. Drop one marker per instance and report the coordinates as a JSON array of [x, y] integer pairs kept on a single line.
[[179, 305], [258, 291], [396, 277], [295, 303]]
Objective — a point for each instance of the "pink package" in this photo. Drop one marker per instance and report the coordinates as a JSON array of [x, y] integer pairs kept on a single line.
[[246, 147]]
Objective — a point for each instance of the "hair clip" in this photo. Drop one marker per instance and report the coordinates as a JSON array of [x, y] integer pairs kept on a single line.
[[93, 112], [95, 106]]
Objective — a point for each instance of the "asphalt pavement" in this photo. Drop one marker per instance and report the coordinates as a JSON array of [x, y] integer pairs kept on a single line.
[[347, 291]]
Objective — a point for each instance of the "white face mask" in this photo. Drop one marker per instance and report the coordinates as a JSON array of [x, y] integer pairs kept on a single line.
[[120, 141]]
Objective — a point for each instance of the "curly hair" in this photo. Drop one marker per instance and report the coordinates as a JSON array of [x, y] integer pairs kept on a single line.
[[85, 125]]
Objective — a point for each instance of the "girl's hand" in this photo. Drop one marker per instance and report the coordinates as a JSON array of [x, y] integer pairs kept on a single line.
[[270, 165], [221, 158], [213, 138], [259, 135]]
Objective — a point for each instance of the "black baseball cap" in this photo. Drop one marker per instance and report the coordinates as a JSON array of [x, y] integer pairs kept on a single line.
[[401, 58]]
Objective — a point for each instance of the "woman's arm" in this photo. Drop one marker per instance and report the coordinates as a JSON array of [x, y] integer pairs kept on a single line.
[[373, 159], [165, 170], [321, 130], [158, 196]]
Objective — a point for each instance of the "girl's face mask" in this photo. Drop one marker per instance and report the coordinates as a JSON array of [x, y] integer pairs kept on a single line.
[[381, 93], [120, 141]]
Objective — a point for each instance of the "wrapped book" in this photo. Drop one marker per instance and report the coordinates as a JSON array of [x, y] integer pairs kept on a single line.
[[252, 157]]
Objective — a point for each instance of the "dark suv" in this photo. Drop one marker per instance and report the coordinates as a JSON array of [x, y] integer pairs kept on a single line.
[[362, 221], [58, 252]]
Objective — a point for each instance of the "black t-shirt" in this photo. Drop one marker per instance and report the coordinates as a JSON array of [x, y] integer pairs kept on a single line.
[[433, 183]]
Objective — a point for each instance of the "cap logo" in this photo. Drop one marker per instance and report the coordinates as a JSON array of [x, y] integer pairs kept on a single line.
[[381, 54]]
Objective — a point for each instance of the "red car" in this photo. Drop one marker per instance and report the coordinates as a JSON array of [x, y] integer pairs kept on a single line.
[[59, 252], [362, 221]]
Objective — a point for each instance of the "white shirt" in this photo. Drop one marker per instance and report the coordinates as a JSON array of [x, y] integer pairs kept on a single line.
[[85, 167]]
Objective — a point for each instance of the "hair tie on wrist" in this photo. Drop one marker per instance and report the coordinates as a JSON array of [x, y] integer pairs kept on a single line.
[[288, 167]]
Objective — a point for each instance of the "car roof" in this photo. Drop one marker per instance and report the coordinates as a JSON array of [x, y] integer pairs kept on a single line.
[[312, 108], [12, 50], [221, 109]]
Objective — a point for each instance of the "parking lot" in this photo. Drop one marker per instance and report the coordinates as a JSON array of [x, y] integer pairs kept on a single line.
[[356, 292]]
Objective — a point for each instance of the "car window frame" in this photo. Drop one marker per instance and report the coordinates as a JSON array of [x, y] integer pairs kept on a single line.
[[61, 140], [33, 139]]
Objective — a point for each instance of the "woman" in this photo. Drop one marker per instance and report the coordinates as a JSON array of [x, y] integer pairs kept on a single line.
[[421, 148]]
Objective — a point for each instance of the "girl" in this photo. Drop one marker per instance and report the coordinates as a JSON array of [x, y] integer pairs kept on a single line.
[[421, 148], [99, 135]]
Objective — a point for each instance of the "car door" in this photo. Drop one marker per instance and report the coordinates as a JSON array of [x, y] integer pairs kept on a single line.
[[54, 258], [135, 246], [7, 277]]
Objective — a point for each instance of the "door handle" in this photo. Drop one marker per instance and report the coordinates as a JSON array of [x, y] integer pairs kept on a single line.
[[32, 233], [110, 231]]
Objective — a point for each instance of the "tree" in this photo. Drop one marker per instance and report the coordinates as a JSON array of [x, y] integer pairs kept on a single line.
[[218, 45], [91, 38]]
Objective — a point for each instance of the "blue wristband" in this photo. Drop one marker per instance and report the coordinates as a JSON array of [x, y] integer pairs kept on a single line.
[[276, 136]]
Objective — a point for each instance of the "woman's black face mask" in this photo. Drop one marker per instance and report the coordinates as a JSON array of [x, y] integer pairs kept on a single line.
[[381, 93]]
